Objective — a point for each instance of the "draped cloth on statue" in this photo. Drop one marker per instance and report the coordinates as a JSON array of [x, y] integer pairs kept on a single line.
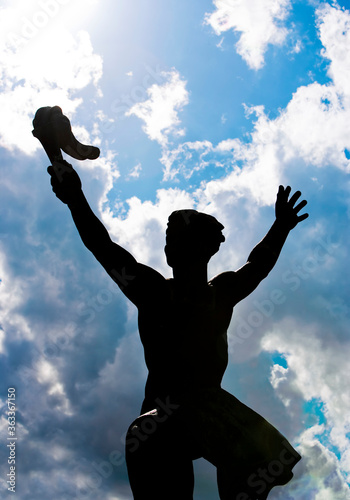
[[231, 433]]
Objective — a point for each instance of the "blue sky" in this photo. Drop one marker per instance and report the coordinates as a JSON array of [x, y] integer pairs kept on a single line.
[[204, 104]]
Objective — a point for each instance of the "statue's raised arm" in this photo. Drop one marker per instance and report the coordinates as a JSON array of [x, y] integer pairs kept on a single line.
[[264, 255], [54, 131]]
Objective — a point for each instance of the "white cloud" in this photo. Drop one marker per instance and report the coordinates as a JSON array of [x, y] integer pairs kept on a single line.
[[143, 230], [182, 159], [104, 171], [334, 29], [13, 294], [135, 172], [49, 377], [320, 467], [46, 66], [260, 23], [317, 368], [251, 171], [319, 139], [160, 111], [262, 161], [297, 47]]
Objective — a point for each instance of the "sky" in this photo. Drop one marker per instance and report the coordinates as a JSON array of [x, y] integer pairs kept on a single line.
[[208, 105]]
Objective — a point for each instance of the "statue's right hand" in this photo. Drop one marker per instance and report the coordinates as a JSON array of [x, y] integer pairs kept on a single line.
[[65, 182]]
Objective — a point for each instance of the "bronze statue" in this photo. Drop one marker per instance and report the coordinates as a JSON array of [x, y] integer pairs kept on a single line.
[[183, 324]]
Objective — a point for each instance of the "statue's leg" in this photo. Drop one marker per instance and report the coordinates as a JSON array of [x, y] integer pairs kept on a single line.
[[158, 459]]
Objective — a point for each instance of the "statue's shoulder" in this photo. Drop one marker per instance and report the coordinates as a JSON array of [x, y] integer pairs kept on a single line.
[[147, 285], [224, 279], [225, 285], [150, 274]]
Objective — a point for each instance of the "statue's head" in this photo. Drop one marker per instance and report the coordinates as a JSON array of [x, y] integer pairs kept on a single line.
[[192, 236]]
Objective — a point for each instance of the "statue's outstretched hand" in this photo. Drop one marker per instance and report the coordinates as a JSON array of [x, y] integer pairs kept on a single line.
[[65, 182], [286, 210]]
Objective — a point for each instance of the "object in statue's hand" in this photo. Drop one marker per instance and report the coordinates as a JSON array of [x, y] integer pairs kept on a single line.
[[53, 129]]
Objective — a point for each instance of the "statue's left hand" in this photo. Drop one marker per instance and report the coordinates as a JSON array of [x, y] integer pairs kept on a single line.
[[286, 210]]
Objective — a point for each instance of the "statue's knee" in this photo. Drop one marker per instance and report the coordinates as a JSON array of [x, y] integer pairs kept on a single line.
[[132, 442]]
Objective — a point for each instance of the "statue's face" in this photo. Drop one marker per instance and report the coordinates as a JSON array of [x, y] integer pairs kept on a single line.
[[185, 254]]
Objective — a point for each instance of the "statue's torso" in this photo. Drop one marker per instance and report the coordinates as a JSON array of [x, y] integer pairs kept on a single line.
[[185, 340]]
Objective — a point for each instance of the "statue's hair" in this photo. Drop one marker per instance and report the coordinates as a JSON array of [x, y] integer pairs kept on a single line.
[[189, 227]]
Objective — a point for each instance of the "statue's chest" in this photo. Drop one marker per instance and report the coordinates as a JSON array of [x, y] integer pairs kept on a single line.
[[179, 314]]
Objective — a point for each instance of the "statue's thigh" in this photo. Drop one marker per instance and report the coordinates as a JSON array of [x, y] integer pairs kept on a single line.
[[158, 460]]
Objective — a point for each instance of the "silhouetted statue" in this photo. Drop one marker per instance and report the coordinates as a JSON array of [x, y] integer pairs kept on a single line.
[[183, 325]]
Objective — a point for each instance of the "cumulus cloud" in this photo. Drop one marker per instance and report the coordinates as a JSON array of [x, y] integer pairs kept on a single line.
[[334, 29], [38, 72], [328, 358], [47, 329], [142, 231], [135, 172], [317, 472], [160, 111], [259, 22], [63, 322], [276, 145], [68, 336], [261, 160]]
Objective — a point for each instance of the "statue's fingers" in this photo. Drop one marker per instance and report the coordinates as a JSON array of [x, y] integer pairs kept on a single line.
[[300, 206], [283, 193], [302, 217], [294, 197], [56, 179], [53, 174]]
